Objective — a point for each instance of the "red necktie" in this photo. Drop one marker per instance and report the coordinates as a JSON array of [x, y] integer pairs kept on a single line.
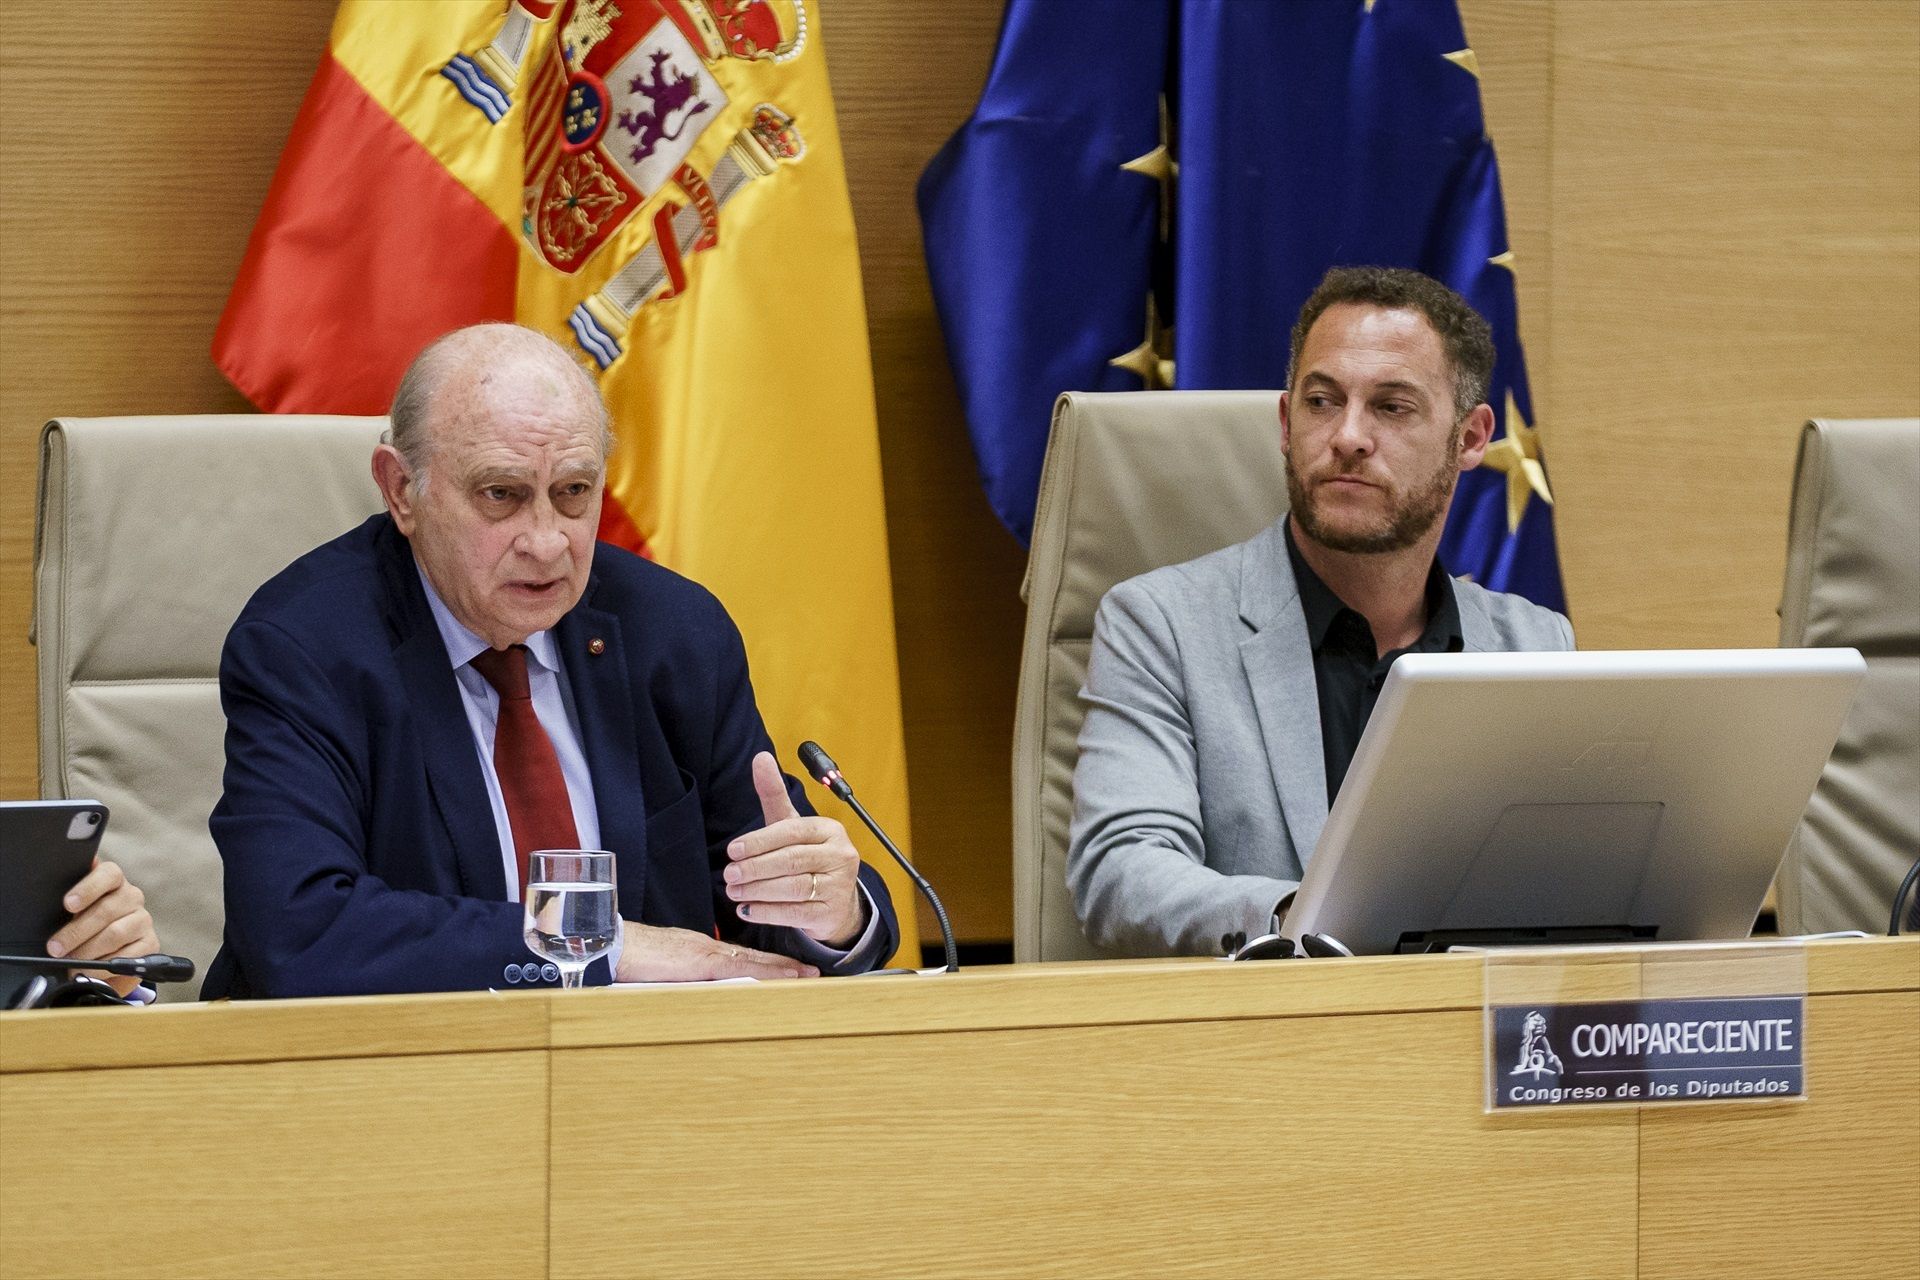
[[524, 759]]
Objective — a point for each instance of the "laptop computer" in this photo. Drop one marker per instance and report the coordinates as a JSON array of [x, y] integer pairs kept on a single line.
[[1548, 797]]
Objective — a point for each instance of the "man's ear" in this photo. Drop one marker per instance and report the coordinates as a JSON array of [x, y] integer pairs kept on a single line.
[[1286, 424], [391, 474], [1475, 434]]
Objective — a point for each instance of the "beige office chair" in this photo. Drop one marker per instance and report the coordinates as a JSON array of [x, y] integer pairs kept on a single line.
[[152, 534], [1132, 481], [1853, 578]]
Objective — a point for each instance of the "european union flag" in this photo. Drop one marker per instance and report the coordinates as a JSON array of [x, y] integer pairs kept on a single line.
[[1199, 164]]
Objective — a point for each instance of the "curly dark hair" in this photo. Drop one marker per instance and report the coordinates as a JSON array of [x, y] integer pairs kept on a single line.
[[1465, 334]]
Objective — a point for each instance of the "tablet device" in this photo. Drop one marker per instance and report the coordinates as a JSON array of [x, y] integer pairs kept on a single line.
[[46, 846]]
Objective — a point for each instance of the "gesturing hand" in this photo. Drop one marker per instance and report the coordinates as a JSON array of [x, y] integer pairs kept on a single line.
[[801, 872]]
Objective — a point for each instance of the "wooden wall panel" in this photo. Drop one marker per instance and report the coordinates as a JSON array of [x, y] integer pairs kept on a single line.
[[117, 248], [1736, 225], [904, 78], [1717, 1183], [1513, 41]]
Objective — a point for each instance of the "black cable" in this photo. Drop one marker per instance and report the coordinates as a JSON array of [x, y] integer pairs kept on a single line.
[[821, 768], [1900, 897], [920, 882]]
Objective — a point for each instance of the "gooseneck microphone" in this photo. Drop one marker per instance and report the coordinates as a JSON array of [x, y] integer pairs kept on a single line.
[[821, 768], [153, 968]]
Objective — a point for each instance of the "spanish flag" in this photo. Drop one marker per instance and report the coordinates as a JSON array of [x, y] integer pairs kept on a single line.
[[658, 185]]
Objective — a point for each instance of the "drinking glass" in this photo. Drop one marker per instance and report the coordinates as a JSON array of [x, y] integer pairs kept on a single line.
[[572, 915]]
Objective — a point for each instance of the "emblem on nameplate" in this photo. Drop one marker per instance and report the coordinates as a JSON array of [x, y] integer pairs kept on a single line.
[[1537, 1057]]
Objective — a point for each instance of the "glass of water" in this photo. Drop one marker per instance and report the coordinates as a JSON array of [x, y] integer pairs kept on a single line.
[[572, 915]]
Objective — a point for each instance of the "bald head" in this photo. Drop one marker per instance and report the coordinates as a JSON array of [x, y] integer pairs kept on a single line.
[[495, 473], [471, 370]]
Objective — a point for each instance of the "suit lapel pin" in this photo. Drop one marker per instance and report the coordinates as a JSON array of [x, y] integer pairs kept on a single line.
[[596, 646]]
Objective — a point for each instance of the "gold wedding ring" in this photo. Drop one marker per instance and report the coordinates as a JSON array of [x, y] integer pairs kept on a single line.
[[813, 885]]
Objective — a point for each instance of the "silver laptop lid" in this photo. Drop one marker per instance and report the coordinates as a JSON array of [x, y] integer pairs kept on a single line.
[[1654, 789]]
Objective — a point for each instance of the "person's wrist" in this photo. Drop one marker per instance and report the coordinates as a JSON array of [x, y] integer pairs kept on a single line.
[[625, 949], [618, 949], [844, 940]]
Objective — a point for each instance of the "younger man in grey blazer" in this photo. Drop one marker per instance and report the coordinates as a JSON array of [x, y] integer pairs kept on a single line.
[[1225, 696]]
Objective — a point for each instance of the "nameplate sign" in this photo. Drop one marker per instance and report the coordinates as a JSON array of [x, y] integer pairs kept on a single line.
[[1689, 1049]]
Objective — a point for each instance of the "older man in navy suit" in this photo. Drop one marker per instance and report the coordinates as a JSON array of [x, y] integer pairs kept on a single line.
[[415, 705]]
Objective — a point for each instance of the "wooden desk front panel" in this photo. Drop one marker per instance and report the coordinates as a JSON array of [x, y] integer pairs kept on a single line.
[[1142, 1118], [1825, 1187], [1323, 1146], [432, 1165]]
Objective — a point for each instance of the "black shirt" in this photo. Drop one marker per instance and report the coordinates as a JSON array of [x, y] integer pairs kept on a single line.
[[1346, 673]]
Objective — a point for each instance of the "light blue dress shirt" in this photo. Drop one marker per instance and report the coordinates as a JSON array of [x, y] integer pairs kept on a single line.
[[553, 705]]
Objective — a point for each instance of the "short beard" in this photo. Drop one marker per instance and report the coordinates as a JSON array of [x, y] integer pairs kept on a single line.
[[1408, 520]]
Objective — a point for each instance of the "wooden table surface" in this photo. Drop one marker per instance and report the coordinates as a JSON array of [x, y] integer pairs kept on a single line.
[[1119, 1118]]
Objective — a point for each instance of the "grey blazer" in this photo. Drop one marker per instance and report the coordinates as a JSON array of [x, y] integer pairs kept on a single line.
[[1201, 786]]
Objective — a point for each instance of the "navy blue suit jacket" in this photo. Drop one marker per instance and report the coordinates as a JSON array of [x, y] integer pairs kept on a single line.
[[359, 846]]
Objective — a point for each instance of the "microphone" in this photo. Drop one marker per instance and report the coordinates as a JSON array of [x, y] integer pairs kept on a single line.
[[154, 968], [821, 768]]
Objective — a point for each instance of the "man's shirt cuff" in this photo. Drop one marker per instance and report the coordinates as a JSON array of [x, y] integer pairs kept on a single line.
[[856, 958]]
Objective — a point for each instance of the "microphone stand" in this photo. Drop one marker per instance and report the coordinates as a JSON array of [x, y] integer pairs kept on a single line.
[[41, 993], [920, 881], [824, 771]]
